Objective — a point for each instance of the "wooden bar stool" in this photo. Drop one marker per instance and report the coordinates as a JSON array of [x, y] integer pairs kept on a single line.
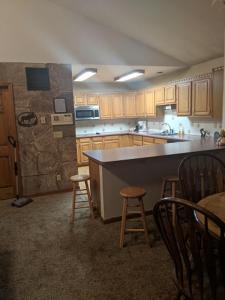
[[128, 194], [76, 179], [170, 186]]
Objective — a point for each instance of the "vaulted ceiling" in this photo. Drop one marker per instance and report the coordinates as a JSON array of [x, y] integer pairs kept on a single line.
[[160, 33]]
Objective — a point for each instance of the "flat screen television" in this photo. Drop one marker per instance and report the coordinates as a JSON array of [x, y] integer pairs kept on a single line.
[[37, 79]]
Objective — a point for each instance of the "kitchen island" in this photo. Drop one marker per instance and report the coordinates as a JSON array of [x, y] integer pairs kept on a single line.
[[110, 170]]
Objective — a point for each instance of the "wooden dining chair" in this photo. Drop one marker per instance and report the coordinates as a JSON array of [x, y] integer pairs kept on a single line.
[[201, 175], [198, 267]]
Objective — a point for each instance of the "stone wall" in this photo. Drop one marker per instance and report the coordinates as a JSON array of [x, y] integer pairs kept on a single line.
[[42, 156]]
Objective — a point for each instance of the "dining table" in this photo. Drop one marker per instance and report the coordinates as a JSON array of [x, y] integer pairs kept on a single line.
[[214, 203]]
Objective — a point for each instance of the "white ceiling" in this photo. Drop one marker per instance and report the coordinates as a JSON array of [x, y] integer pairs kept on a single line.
[[113, 35], [107, 73]]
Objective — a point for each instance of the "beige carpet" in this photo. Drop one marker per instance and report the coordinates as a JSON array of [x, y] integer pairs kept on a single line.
[[43, 257]]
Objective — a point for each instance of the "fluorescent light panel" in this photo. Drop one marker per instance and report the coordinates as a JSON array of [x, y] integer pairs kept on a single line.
[[85, 74], [130, 75]]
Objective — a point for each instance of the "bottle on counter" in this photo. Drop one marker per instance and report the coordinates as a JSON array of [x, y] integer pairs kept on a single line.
[[181, 130]]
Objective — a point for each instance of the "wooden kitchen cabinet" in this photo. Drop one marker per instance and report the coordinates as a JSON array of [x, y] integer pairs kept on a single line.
[[85, 145], [105, 106], [80, 100], [140, 104], [111, 142], [129, 105], [217, 90], [92, 99], [137, 140], [160, 141], [125, 140], [147, 140], [170, 94], [183, 97], [150, 110], [202, 97], [159, 96], [97, 143], [117, 106]]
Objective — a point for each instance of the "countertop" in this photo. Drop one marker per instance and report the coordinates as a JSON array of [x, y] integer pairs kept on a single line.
[[186, 145], [149, 133]]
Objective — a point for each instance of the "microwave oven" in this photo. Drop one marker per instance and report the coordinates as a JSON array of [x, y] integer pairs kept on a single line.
[[87, 112]]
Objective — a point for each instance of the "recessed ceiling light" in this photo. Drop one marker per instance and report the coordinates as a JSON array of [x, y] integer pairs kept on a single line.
[[130, 75], [85, 74]]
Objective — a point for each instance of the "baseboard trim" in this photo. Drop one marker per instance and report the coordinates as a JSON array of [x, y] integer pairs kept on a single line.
[[50, 193], [117, 219]]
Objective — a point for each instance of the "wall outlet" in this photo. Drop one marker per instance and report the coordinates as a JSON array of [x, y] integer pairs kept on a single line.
[[58, 177], [43, 120]]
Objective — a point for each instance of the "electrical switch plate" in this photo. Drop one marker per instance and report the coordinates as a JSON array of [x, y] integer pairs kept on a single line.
[[43, 120], [58, 134], [58, 177]]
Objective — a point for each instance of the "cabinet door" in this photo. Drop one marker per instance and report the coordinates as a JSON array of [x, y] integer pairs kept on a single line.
[[97, 145], [170, 94], [78, 151], [129, 105], [159, 96], [117, 106], [201, 97], [137, 140], [92, 99], [140, 104], [217, 88], [105, 102], [125, 140], [148, 140], [80, 100], [111, 144], [84, 147], [150, 104], [183, 95]]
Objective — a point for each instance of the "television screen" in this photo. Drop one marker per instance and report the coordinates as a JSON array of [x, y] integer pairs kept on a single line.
[[37, 79]]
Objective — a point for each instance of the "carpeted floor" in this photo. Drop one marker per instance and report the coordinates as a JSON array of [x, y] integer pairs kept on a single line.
[[43, 257]]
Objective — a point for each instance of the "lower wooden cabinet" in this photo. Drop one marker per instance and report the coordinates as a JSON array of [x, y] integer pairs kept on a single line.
[[160, 141], [85, 145], [137, 140], [148, 140]]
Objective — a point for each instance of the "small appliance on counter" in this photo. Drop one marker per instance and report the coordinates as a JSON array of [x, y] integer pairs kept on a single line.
[[204, 132]]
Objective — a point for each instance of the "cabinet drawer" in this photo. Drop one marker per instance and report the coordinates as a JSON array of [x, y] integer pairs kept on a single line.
[[137, 137], [160, 141], [97, 139], [148, 140], [111, 137], [85, 140]]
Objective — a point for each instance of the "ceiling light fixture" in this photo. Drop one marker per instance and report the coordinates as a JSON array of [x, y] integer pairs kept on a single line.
[[130, 75], [85, 74]]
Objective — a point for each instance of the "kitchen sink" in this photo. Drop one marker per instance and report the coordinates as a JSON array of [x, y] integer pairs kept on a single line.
[[168, 133]]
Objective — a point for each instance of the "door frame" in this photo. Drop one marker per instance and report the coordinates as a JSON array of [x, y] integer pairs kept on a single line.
[[13, 132]]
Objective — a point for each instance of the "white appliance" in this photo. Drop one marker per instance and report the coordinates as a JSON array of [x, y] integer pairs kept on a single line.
[[62, 119]]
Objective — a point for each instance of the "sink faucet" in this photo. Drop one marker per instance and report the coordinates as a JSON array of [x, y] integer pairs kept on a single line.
[[167, 124]]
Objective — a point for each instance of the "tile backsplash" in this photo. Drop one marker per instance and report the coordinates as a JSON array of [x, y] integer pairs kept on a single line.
[[93, 126], [190, 125]]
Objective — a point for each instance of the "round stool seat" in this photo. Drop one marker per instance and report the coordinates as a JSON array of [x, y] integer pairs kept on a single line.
[[132, 192], [171, 178], [79, 178]]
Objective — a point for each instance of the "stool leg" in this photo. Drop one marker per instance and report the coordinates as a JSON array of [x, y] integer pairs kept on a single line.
[[173, 189], [73, 203], [144, 220], [163, 189], [123, 222], [89, 199]]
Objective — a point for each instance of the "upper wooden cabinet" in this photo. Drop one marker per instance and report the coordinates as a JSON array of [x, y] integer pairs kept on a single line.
[[217, 91], [170, 94], [105, 102], [150, 110], [129, 105], [183, 97], [201, 97], [117, 106], [159, 95], [89, 99], [140, 104], [92, 99]]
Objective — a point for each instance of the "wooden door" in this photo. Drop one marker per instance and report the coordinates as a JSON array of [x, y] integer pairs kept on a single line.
[[129, 105], [150, 103], [117, 106], [140, 104], [105, 102], [201, 97], [7, 128], [170, 94], [92, 99], [159, 96], [183, 95]]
